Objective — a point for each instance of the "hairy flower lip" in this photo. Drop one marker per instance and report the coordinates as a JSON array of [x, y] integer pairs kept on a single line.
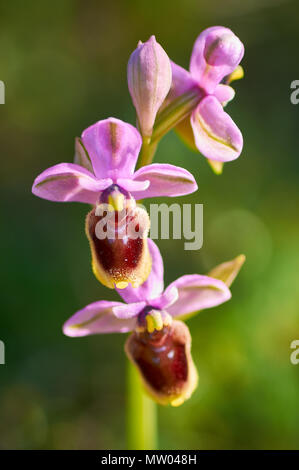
[[165, 364], [118, 261]]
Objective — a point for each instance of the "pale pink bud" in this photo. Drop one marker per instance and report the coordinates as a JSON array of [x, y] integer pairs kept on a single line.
[[149, 81]]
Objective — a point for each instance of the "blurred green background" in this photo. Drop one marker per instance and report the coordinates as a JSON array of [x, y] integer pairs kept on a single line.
[[64, 66]]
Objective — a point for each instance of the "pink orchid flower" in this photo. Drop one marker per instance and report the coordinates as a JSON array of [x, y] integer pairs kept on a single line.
[[106, 156], [216, 54], [160, 345]]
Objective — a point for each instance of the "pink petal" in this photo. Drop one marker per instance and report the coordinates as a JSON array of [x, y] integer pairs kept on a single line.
[[133, 186], [69, 182], [182, 82], [216, 135], [165, 180], [113, 147], [197, 292], [125, 312], [153, 286], [97, 318], [216, 53], [224, 93], [169, 297]]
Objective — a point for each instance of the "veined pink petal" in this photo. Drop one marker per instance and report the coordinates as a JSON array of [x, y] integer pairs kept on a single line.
[[153, 286], [113, 147], [68, 182], [165, 180], [197, 292], [216, 53], [126, 311], [81, 156], [97, 318], [216, 135], [182, 80]]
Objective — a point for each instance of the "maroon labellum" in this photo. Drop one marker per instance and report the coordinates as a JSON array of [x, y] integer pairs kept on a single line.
[[164, 361], [117, 232]]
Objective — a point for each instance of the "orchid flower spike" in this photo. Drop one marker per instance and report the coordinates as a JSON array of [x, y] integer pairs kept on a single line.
[[160, 345], [103, 174], [215, 60], [149, 81]]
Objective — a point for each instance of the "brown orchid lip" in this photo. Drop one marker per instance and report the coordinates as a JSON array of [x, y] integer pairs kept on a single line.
[[164, 361], [119, 258]]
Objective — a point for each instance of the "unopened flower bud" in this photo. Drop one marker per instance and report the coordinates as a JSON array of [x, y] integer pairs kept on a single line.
[[149, 81], [163, 359]]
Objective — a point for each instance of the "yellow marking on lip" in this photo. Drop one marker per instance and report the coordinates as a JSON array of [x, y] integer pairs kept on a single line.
[[121, 284], [177, 401]]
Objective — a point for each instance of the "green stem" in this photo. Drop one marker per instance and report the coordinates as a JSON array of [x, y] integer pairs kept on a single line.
[[141, 414], [174, 113], [147, 153]]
